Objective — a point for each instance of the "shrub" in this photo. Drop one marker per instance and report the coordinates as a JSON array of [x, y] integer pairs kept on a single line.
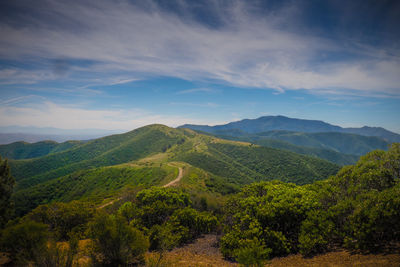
[[115, 243], [25, 241]]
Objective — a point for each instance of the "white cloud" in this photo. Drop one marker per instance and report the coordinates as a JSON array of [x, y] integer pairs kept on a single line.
[[248, 51]]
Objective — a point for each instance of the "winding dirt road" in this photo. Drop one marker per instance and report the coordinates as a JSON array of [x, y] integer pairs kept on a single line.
[[178, 178]]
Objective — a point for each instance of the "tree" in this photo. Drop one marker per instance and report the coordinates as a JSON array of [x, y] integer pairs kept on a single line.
[[6, 189]]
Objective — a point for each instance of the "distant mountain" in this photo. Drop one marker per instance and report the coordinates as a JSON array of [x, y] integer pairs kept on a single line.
[[211, 164], [282, 123]]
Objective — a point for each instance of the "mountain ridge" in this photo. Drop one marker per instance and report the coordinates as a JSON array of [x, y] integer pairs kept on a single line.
[[269, 123]]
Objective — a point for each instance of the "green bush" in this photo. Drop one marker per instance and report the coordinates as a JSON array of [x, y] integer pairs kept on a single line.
[[25, 241], [270, 212], [64, 218], [115, 243]]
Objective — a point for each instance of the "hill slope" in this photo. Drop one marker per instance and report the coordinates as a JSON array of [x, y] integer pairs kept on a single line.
[[211, 164], [323, 153], [338, 142]]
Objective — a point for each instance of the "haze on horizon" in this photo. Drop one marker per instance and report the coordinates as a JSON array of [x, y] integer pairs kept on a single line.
[[119, 65]]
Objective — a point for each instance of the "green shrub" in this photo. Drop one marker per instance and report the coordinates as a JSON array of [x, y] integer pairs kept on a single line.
[[115, 243], [25, 241]]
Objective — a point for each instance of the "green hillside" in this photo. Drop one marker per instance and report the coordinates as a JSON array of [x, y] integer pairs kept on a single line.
[[93, 184], [23, 150], [323, 153], [345, 143], [339, 142], [110, 150], [152, 153]]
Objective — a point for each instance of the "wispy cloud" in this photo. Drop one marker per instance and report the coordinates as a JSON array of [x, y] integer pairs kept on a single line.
[[245, 51], [197, 90]]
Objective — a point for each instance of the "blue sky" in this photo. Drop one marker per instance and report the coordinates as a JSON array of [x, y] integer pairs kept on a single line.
[[118, 65]]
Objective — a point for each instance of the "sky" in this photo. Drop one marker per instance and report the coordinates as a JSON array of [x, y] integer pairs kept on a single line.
[[119, 65]]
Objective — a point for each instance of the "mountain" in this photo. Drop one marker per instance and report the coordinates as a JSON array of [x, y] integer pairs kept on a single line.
[[282, 123], [23, 150], [151, 155]]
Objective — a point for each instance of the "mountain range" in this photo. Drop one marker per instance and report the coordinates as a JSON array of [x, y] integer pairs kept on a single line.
[[282, 123]]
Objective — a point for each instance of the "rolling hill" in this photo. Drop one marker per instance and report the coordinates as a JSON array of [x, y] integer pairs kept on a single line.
[[148, 156], [344, 143], [323, 153]]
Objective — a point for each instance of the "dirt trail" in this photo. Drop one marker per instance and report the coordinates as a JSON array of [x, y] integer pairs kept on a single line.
[[178, 178], [172, 183], [108, 203]]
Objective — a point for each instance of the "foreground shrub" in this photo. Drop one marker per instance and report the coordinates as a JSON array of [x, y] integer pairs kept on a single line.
[[265, 219], [25, 241], [115, 243]]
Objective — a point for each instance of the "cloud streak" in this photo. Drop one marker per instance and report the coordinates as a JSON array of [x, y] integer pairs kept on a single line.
[[246, 50]]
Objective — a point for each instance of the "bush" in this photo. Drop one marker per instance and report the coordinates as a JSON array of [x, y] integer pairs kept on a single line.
[[269, 212], [25, 241], [64, 218], [115, 243]]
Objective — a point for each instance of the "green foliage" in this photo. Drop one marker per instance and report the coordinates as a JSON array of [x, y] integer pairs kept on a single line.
[[319, 152], [192, 223], [58, 255], [252, 253], [326, 142], [359, 206], [90, 184], [268, 214], [64, 219], [157, 204], [6, 190], [25, 241], [115, 243]]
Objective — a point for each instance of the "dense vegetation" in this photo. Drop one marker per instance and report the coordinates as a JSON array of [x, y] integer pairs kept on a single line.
[[343, 146], [23, 150], [158, 219], [93, 170], [359, 208], [110, 150], [322, 153], [93, 184]]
